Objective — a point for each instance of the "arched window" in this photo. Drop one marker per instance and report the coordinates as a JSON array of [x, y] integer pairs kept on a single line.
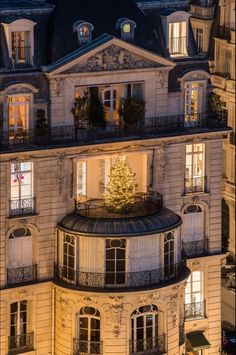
[[126, 27], [69, 257], [144, 329], [115, 261], [169, 255], [88, 341], [84, 31]]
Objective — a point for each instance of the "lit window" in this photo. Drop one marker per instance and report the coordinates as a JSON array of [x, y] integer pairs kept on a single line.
[[193, 102], [115, 261], [20, 42], [81, 178], [19, 341], [194, 168], [126, 28], [18, 113], [199, 39], [22, 189], [177, 38], [88, 341], [84, 31], [194, 304], [145, 335]]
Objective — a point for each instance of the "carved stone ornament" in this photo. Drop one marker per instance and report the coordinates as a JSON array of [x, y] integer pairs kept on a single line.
[[58, 85], [112, 58], [60, 175], [116, 307], [148, 299], [162, 160], [65, 307], [88, 301], [174, 305], [195, 265]]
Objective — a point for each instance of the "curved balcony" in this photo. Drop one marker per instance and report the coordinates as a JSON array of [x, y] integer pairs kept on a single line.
[[146, 216], [127, 280]]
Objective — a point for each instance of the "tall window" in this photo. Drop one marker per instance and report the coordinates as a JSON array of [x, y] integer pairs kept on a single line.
[[194, 288], [144, 328], [177, 38], [18, 326], [20, 256], [20, 44], [69, 257], [169, 254], [18, 113], [88, 341], [192, 101], [194, 305], [115, 261], [81, 178], [194, 168], [227, 70], [22, 188], [199, 39]]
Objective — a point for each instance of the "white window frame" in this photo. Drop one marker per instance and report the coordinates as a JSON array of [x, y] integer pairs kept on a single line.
[[199, 39], [153, 312], [178, 44], [193, 152], [81, 178], [18, 173], [66, 265], [115, 260], [196, 295], [78, 25], [20, 25], [26, 105]]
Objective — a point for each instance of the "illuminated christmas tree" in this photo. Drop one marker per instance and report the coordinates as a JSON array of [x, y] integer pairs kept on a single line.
[[121, 187]]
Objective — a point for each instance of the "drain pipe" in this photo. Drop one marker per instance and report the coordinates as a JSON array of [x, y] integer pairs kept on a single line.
[[53, 318]]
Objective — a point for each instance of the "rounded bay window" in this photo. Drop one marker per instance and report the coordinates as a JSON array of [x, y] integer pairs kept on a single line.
[[103, 249]]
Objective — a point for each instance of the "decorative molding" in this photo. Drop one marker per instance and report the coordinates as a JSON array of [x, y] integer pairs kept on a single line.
[[64, 307], [111, 58], [174, 305], [60, 176], [149, 299], [116, 307], [58, 85], [162, 160]]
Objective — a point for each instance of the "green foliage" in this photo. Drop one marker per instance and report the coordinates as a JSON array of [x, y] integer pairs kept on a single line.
[[132, 109], [215, 104], [121, 187], [41, 122], [80, 110], [96, 111]]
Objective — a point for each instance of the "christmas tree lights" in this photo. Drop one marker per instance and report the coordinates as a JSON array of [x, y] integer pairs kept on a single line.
[[121, 187]]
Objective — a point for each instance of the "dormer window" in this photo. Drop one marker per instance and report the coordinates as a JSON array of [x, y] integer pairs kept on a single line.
[[176, 28], [126, 28], [20, 41], [84, 31]]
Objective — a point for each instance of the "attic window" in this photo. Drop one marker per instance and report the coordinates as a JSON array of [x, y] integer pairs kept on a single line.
[[126, 27], [84, 31]]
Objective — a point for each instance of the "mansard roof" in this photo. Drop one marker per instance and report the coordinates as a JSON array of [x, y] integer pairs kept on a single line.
[[103, 15]]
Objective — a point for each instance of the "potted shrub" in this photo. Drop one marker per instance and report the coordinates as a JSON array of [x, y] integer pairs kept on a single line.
[[41, 125], [80, 113], [216, 108], [96, 112], [132, 111]]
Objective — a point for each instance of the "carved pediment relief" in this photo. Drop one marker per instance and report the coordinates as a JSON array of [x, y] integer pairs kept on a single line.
[[112, 58]]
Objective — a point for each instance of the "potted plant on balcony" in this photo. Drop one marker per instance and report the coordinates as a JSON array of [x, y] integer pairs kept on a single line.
[[80, 113], [95, 109], [132, 112], [217, 109]]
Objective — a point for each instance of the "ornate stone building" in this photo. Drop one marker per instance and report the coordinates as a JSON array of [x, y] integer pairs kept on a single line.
[[76, 276], [223, 80]]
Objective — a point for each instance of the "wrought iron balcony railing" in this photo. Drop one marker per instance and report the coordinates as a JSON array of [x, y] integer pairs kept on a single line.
[[177, 45], [181, 334], [194, 310], [21, 54], [195, 184], [69, 135], [20, 343], [131, 280], [144, 204], [83, 347], [22, 274], [149, 346], [22, 207], [195, 248]]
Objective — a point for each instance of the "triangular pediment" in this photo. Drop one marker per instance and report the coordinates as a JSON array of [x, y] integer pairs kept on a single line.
[[109, 56]]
